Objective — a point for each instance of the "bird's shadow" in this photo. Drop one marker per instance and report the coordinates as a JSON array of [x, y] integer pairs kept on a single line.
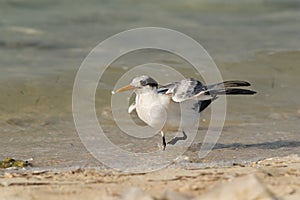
[[176, 139], [264, 145]]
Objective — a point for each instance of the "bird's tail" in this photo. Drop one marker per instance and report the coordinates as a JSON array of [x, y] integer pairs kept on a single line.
[[229, 88]]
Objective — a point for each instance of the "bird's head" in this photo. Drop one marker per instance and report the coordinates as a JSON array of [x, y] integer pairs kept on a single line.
[[139, 83]]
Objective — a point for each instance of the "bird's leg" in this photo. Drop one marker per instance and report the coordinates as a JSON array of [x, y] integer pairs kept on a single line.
[[163, 140]]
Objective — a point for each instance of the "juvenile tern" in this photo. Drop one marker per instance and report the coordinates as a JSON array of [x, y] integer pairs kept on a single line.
[[159, 106]]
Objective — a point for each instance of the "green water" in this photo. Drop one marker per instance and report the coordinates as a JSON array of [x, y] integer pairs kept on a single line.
[[43, 42]]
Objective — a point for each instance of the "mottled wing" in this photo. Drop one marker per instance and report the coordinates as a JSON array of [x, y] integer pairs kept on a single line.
[[188, 89], [192, 89], [167, 89]]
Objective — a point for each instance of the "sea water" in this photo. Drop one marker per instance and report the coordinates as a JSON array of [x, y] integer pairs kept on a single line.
[[43, 43]]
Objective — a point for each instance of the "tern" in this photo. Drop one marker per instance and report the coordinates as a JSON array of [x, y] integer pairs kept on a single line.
[[159, 106]]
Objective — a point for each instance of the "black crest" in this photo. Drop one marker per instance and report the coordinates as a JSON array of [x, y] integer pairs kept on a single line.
[[149, 81]]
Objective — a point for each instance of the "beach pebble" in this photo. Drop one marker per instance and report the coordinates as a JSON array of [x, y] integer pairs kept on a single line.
[[4, 183], [246, 188], [135, 194], [8, 175], [181, 159]]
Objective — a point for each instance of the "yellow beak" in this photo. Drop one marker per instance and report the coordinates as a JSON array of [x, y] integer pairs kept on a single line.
[[125, 88]]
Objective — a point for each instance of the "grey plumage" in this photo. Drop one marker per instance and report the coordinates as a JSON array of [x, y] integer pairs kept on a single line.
[[193, 89]]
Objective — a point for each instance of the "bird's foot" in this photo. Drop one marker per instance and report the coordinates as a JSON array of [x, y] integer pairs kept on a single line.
[[161, 147]]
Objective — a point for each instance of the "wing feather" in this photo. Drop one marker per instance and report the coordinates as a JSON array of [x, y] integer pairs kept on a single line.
[[132, 107], [190, 88], [184, 90]]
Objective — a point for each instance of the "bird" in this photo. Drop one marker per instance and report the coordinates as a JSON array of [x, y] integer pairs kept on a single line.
[[159, 105]]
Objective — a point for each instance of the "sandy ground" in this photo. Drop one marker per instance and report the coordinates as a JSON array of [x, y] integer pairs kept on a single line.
[[279, 178]]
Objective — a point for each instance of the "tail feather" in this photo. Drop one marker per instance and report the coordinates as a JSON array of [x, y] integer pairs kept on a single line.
[[230, 91], [223, 88], [236, 84], [228, 87], [225, 84]]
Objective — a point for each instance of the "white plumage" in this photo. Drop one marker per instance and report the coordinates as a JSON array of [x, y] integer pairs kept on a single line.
[[162, 107]]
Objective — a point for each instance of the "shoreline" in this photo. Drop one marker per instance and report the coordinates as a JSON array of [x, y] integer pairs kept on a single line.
[[277, 177]]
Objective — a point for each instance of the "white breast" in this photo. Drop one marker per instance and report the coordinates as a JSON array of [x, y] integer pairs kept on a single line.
[[157, 110]]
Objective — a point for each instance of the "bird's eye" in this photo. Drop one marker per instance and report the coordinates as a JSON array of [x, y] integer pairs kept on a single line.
[[143, 83]]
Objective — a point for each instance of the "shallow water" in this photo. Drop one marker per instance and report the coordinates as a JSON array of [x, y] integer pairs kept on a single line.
[[42, 44]]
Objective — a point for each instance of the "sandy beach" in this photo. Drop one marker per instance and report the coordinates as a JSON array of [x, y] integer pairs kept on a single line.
[[273, 178]]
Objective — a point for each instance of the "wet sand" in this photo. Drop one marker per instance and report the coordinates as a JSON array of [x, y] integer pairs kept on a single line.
[[267, 179]]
